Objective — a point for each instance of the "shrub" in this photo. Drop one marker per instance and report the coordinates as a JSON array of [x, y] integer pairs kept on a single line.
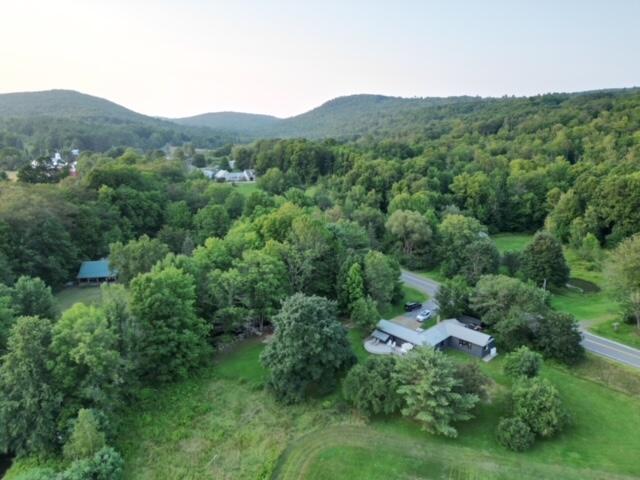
[[365, 313], [371, 387], [86, 438], [522, 363], [514, 434], [537, 403], [106, 464]]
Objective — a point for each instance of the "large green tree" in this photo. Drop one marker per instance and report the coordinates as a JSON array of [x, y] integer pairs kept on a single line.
[[537, 403], [382, 278], [371, 387], [309, 349], [86, 362], [32, 297], [29, 398], [413, 237], [431, 391], [136, 257], [543, 261], [173, 340], [453, 297], [623, 275]]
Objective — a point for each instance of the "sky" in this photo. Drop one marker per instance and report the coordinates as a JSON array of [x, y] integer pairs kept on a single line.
[[177, 58]]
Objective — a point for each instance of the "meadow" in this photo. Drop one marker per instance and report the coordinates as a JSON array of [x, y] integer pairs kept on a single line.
[[222, 424]]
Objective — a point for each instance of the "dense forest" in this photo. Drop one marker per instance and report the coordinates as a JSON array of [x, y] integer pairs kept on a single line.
[[420, 184]]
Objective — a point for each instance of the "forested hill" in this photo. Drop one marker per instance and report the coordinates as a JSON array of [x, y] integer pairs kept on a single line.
[[37, 123], [231, 121], [410, 119], [66, 104]]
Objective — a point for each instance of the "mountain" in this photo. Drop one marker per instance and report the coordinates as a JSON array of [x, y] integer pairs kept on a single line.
[[232, 121], [343, 117], [378, 116], [66, 104], [42, 122]]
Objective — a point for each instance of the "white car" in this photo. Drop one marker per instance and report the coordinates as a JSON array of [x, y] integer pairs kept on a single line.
[[424, 315]]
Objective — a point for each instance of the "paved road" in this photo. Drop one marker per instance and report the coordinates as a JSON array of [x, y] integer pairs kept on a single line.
[[593, 343], [610, 349]]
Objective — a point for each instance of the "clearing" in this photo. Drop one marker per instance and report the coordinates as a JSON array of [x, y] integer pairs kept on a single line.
[[70, 295]]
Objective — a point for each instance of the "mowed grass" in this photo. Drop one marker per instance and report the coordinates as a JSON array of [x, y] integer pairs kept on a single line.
[[71, 295], [397, 448], [222, 424], [511, 242], [246, 188]]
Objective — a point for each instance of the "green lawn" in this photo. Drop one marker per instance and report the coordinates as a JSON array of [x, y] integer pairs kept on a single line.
[[222, 424], [247, 188], [511, 242], [70, 295], [410, 295]]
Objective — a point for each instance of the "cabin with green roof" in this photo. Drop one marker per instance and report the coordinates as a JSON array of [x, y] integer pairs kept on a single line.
[[96, 272]]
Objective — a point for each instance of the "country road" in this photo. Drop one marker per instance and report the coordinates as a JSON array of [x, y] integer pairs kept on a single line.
[[592, 343]]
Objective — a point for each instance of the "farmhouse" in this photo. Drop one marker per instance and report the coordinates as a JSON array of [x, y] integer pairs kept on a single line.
[[244, 176], [95, 272], [390, 337]]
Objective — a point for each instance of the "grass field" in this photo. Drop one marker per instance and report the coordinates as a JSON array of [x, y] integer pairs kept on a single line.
[[511, 242], [247, 187], [70, 295], [222, 424]]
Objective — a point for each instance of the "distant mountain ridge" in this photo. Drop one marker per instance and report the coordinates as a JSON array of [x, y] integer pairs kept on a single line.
[[65, 104], [233, 121], [347, 117]]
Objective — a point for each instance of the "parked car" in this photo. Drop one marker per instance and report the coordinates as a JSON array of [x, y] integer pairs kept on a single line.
[[424, 315], [411, 306]]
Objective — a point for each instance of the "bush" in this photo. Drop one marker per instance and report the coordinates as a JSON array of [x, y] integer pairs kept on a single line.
[[364, 313], [86, 438], [371, 387], [537, 403], [514, 434], [473, 381], [107, 464], [522, 363]]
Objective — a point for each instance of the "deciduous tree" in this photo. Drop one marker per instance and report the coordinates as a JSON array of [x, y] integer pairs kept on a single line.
[[309, 349]]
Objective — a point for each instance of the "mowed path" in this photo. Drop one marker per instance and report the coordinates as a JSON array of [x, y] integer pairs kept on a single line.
[[592, 343], [366, 453]]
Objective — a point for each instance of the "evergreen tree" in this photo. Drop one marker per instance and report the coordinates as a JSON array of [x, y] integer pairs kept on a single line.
[[431, 391], [29, 399], [543, 261]]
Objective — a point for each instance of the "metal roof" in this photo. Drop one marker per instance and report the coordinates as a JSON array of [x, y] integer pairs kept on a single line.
[[383, 337], [398, 331], [436, 334], [96, 269]]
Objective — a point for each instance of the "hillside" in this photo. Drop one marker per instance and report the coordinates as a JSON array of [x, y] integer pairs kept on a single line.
[[85, 122], [411, 119], [232, 121], [66, 104]]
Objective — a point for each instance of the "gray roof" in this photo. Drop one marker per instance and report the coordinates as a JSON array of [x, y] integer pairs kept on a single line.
[[383, 337], [398, 331], [436, 334]]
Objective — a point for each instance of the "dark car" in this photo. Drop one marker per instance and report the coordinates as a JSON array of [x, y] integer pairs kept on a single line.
[[411, 306]]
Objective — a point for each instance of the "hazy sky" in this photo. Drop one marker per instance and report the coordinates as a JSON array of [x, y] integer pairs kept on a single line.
[[178, 58]]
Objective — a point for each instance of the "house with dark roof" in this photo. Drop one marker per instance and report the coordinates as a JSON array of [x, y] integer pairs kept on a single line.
[[445, 334], [95, 272]]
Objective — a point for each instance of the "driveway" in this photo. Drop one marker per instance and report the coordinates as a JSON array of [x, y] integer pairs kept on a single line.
[[592, 343]]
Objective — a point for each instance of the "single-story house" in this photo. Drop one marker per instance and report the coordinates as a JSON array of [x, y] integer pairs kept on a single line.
[[244, 176], [95, 272], [446, 334]]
